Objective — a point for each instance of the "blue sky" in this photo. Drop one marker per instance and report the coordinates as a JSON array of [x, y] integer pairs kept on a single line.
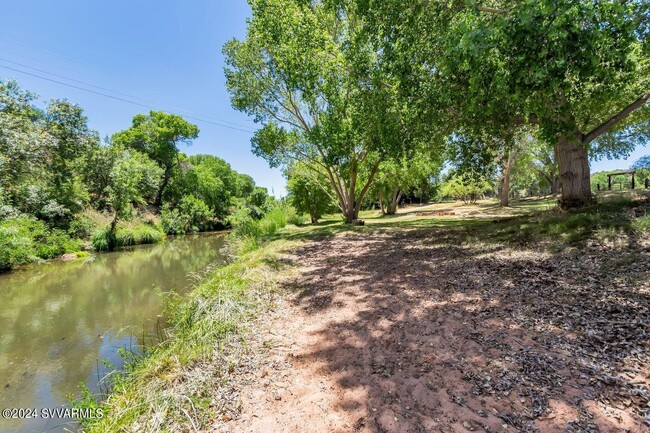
[[164, 54]]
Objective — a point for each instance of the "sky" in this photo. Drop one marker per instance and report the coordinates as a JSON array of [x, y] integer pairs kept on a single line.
[[164, 55]]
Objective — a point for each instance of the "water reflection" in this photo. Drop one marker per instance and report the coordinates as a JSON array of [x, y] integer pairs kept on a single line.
[[58, 320]]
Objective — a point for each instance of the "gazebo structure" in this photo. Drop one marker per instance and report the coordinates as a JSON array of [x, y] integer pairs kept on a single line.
[[620, 173]]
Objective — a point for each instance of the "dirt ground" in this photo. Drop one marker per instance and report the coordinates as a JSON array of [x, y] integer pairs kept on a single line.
[[415, 331]]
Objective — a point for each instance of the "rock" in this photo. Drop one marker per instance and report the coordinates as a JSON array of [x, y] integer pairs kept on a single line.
[[69, 256]]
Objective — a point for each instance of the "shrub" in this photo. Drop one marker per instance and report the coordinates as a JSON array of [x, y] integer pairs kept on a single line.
[[465, 187], [82, 226], [191, 215], [293, 217], [172, 221], [25, 239], [247, 232]]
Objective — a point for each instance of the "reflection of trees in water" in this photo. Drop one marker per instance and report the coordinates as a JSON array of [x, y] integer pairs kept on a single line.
[[52, 317]]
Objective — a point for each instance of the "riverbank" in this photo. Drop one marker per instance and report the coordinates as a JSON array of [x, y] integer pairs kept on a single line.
[[193, 376], [26, 241], [533, 323], [62, 320]]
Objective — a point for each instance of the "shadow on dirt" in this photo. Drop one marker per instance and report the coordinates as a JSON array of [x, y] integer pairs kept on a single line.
[[443, 335]]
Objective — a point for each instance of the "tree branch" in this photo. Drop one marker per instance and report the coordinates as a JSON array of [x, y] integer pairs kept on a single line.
[[606, 126], [364, 190]]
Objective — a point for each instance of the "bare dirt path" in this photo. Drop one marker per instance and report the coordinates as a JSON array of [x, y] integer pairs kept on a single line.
[[414, 332]]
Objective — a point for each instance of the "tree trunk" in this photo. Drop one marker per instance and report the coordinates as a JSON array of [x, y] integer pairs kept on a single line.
[[381, 203], [350, 215], [505, 179], [394, 202], [163, 185], [555, 185], [573, 165]]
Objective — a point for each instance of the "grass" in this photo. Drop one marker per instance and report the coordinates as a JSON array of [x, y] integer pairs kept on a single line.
[[526, 221], [134, 233], [182, 383]]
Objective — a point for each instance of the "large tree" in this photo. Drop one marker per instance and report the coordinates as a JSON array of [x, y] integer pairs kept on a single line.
[[577, 69], [157, 135], [307, 73], [73, 140]]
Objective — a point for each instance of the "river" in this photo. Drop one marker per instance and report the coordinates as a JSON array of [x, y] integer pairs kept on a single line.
[[60, 320]]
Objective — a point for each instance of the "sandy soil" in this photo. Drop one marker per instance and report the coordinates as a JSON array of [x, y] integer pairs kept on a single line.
[[416, 332]]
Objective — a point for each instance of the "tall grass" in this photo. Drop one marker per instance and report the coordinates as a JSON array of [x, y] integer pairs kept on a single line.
[[248, 234], [187, 381], [134, 234]]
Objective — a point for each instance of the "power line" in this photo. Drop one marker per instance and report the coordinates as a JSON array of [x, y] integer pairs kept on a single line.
[[124, 94], [105, 68], [23, 43], [113, 97]]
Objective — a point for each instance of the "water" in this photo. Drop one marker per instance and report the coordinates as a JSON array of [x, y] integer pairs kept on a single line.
[[59, 320]]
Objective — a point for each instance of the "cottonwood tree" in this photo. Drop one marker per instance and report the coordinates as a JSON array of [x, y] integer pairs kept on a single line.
[[158, 135], [73, 140], [577, 69], [306, 73]]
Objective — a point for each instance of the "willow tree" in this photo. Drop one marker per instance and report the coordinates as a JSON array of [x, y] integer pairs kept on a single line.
[[577, 69], [307, 74]]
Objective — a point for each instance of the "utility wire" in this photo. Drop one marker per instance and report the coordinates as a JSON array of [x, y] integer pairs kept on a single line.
[[118, 98], [124, 94]]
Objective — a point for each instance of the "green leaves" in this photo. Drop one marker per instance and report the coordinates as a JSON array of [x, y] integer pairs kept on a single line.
[[157, 135]]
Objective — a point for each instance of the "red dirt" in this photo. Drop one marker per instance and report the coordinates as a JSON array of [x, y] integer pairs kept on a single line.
[[412, 332]]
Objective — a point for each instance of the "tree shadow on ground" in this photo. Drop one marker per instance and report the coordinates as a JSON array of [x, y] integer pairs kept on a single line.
[[426, 333]]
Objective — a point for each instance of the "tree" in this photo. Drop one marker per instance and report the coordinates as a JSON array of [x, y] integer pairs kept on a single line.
[[24, 151], [208, 178], [306, 72], [642, 166], [577, 69], [132, 173], [412, 170], [545, 163], [309, 194], [158, 135], [465, 187], [68, 125]]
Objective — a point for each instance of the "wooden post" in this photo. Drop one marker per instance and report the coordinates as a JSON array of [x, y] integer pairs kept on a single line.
[[609, 182], [598, 186], [632, 180], [646, 184]]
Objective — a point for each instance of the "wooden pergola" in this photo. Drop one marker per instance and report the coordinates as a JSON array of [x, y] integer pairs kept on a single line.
[[620, 173]]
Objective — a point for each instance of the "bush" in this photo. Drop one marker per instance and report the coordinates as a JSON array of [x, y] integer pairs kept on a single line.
[[294, 218], [25, 239], [191, 215], [82, 226], [465, 187], [247, 232]]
